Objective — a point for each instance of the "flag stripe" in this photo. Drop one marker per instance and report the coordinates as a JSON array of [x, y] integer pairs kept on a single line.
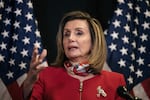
[[138, 89], [15, 91], [4, 93], [21, 79], [146, 86]]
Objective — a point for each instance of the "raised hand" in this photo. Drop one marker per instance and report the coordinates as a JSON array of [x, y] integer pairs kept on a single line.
[[35, 64], [35, 67]]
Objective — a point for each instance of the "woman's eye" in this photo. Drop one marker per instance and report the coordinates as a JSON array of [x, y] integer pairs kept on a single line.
[[66, 34], [79, 33]]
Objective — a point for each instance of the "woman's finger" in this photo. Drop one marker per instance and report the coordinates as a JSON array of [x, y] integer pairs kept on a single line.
[[34, 54], [42, 56], [37, 60]]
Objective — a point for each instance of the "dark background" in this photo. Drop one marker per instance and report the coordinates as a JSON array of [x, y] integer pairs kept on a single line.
[[49, 13]]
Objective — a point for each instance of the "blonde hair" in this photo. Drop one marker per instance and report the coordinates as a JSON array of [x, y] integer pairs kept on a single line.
[[97, 56]]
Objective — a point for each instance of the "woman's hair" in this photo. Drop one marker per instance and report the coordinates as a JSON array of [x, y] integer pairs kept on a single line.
[[97, 56]]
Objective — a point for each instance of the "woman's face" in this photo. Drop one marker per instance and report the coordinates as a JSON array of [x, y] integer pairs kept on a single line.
[[77, 40]]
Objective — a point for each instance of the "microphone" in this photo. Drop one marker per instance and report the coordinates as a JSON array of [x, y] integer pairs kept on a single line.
[[123, 92]]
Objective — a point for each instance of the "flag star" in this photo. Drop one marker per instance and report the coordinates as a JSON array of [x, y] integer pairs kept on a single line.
[[3, 46], [127, 28], [140, 61], [122, 63], [138, 9], [2, 58], [7, 21], [10, 74], [24, 52], [27, 28], [146, 25], [147, 13], [9, 9], [112, 47], [135, 32], [30, 4], [36, 22], [114, 35], [139, 73], [13, 50], [105, 32], [147, 2], [125, 39], [123, 51], [121, 1], [5, 33], [136, 21], [26, 40], [133, 56], [17, 12], [29, 16], [118, 11], [1, 4], [142, 49], [130, 5], [131, 68], [37, 44], [116, 23], [128, 17], [16, 24], [130, 80], [22, 65], [15, 37], [19, 1], [144, 37], [12, 62], [37, 33]]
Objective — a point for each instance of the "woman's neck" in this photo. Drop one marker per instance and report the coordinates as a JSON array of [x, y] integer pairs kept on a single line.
[[78, 60], [74, 62]]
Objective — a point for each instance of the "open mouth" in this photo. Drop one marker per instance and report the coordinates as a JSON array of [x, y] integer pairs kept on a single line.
[[73, 48]]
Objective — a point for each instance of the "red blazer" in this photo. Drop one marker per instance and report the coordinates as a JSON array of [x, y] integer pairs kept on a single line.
[[55, 84]]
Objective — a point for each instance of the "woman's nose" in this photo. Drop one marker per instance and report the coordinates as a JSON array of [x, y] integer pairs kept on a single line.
[[71, 37]]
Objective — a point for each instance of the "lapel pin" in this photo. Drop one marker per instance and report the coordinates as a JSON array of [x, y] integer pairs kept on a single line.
[[100, 91]]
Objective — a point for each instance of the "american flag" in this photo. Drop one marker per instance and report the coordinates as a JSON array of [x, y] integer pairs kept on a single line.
[[18, 35], [128, 41]]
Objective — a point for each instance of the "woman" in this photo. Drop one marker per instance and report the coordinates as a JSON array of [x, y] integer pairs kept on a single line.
[[77, 71]]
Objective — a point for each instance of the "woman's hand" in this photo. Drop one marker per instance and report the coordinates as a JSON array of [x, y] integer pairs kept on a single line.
[[36, 64], [35, 67]]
